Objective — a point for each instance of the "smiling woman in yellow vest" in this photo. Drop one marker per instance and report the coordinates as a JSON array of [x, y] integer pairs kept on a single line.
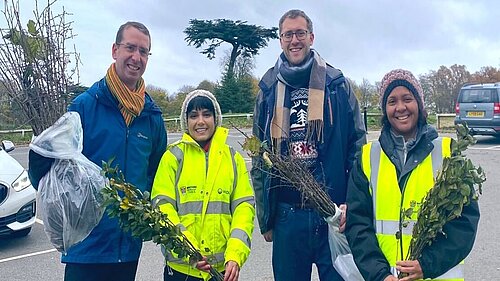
[[390, 173], [207, 193]]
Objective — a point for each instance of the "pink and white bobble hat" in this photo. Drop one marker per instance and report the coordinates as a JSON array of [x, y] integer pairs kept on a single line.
[[400, 77]]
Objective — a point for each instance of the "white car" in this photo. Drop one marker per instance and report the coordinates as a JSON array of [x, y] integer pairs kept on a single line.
[[17, 196]]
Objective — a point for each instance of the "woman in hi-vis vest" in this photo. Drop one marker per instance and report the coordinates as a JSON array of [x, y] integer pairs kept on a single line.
[[390, 173], [203, 186]]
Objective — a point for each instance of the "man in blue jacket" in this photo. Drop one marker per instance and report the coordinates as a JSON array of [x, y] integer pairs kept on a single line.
[[305, 110], [120, 121]]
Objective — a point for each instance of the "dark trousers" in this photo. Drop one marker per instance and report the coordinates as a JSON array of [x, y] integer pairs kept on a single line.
[[171, 275], [100, 271], [300, 238]]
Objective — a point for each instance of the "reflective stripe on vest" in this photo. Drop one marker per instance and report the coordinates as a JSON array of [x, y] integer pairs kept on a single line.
[[391, 227], [215, 260], [241, 235], [249, 199], [195, 207], [386, 207], [179, 155], [235, 169]]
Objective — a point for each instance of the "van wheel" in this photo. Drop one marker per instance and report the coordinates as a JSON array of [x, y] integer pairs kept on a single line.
[[21, 233]]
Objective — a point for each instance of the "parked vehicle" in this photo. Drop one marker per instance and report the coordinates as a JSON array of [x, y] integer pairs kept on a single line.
[[478, 105], [17, 196]]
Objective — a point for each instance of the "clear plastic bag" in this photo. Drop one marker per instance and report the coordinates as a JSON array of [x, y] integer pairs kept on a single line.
[[69, 194], [342, 258]]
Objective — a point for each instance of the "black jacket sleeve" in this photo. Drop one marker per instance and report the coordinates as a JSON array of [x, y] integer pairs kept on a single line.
[[257, 171], [447, 251], [360, 232]]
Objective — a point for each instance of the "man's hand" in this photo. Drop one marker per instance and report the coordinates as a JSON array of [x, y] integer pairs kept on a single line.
[[412, 268], [268, 236], [203, 265], [232, 271], [343, 208]]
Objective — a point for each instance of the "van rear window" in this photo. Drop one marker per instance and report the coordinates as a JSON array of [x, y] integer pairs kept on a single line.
[[479, 95]]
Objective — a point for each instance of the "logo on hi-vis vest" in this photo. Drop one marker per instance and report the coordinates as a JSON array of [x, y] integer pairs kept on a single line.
[[220, 191], [188, 189]]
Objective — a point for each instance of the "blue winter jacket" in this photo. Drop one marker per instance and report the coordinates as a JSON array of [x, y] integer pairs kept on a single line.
[[136, 149], [344, 134]]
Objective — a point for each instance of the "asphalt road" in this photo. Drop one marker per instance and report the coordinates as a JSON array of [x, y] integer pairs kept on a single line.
[[33, 258]]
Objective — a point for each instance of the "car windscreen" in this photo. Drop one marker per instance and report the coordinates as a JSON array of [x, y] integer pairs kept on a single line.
[[479, 95]]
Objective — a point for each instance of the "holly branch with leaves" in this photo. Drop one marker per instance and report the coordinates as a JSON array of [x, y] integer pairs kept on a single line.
[[143, 219], [457, 184]]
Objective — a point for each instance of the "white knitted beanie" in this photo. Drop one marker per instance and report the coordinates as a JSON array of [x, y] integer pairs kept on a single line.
[[198, 93]]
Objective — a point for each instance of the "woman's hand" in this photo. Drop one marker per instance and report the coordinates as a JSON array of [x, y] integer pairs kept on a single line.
[[232, 271], [203, 265], [412, 268]]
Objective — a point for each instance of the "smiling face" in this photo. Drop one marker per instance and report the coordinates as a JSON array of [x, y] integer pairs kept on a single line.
[[130, 62], [402, 112], [201, 125], [296, 50]]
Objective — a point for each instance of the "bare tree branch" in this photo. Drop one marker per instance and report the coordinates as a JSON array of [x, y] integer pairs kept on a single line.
[[35, 68]]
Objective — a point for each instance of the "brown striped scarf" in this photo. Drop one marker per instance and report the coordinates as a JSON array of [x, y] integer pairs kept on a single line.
[[280, 124], [130, 102]]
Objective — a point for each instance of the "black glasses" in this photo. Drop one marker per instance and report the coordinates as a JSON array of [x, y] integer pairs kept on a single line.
[[133, 48], [288, 36]]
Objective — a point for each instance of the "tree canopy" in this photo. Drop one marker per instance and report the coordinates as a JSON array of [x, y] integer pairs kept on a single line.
[[246, 39]]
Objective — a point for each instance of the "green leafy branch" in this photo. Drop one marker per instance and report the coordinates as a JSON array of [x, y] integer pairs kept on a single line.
[[457, 184], [143, 219]]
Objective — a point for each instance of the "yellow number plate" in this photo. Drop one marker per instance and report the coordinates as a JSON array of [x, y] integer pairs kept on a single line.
[[475, 113]]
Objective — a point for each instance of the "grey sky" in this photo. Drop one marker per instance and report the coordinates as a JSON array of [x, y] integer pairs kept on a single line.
[[365, 39]]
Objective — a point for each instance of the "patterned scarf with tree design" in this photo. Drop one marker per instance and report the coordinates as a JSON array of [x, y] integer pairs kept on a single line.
[[315, 66]]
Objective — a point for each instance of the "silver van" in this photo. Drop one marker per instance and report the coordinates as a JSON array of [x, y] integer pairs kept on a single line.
[[478, 105]]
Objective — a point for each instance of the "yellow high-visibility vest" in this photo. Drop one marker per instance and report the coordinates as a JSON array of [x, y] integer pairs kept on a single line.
[[388, 200]]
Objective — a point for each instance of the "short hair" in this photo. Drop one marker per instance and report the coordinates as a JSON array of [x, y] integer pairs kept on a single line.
[[199, 103], [293, 14], [137, 25]]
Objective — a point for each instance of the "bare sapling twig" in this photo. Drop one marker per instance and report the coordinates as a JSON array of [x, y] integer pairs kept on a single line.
[[292, 171], [36, 68]]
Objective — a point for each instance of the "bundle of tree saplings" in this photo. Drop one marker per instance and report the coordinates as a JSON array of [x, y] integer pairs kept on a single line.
[[292, 171]]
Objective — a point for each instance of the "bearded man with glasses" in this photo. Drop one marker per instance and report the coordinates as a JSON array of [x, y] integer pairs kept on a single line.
[[305, 110]]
